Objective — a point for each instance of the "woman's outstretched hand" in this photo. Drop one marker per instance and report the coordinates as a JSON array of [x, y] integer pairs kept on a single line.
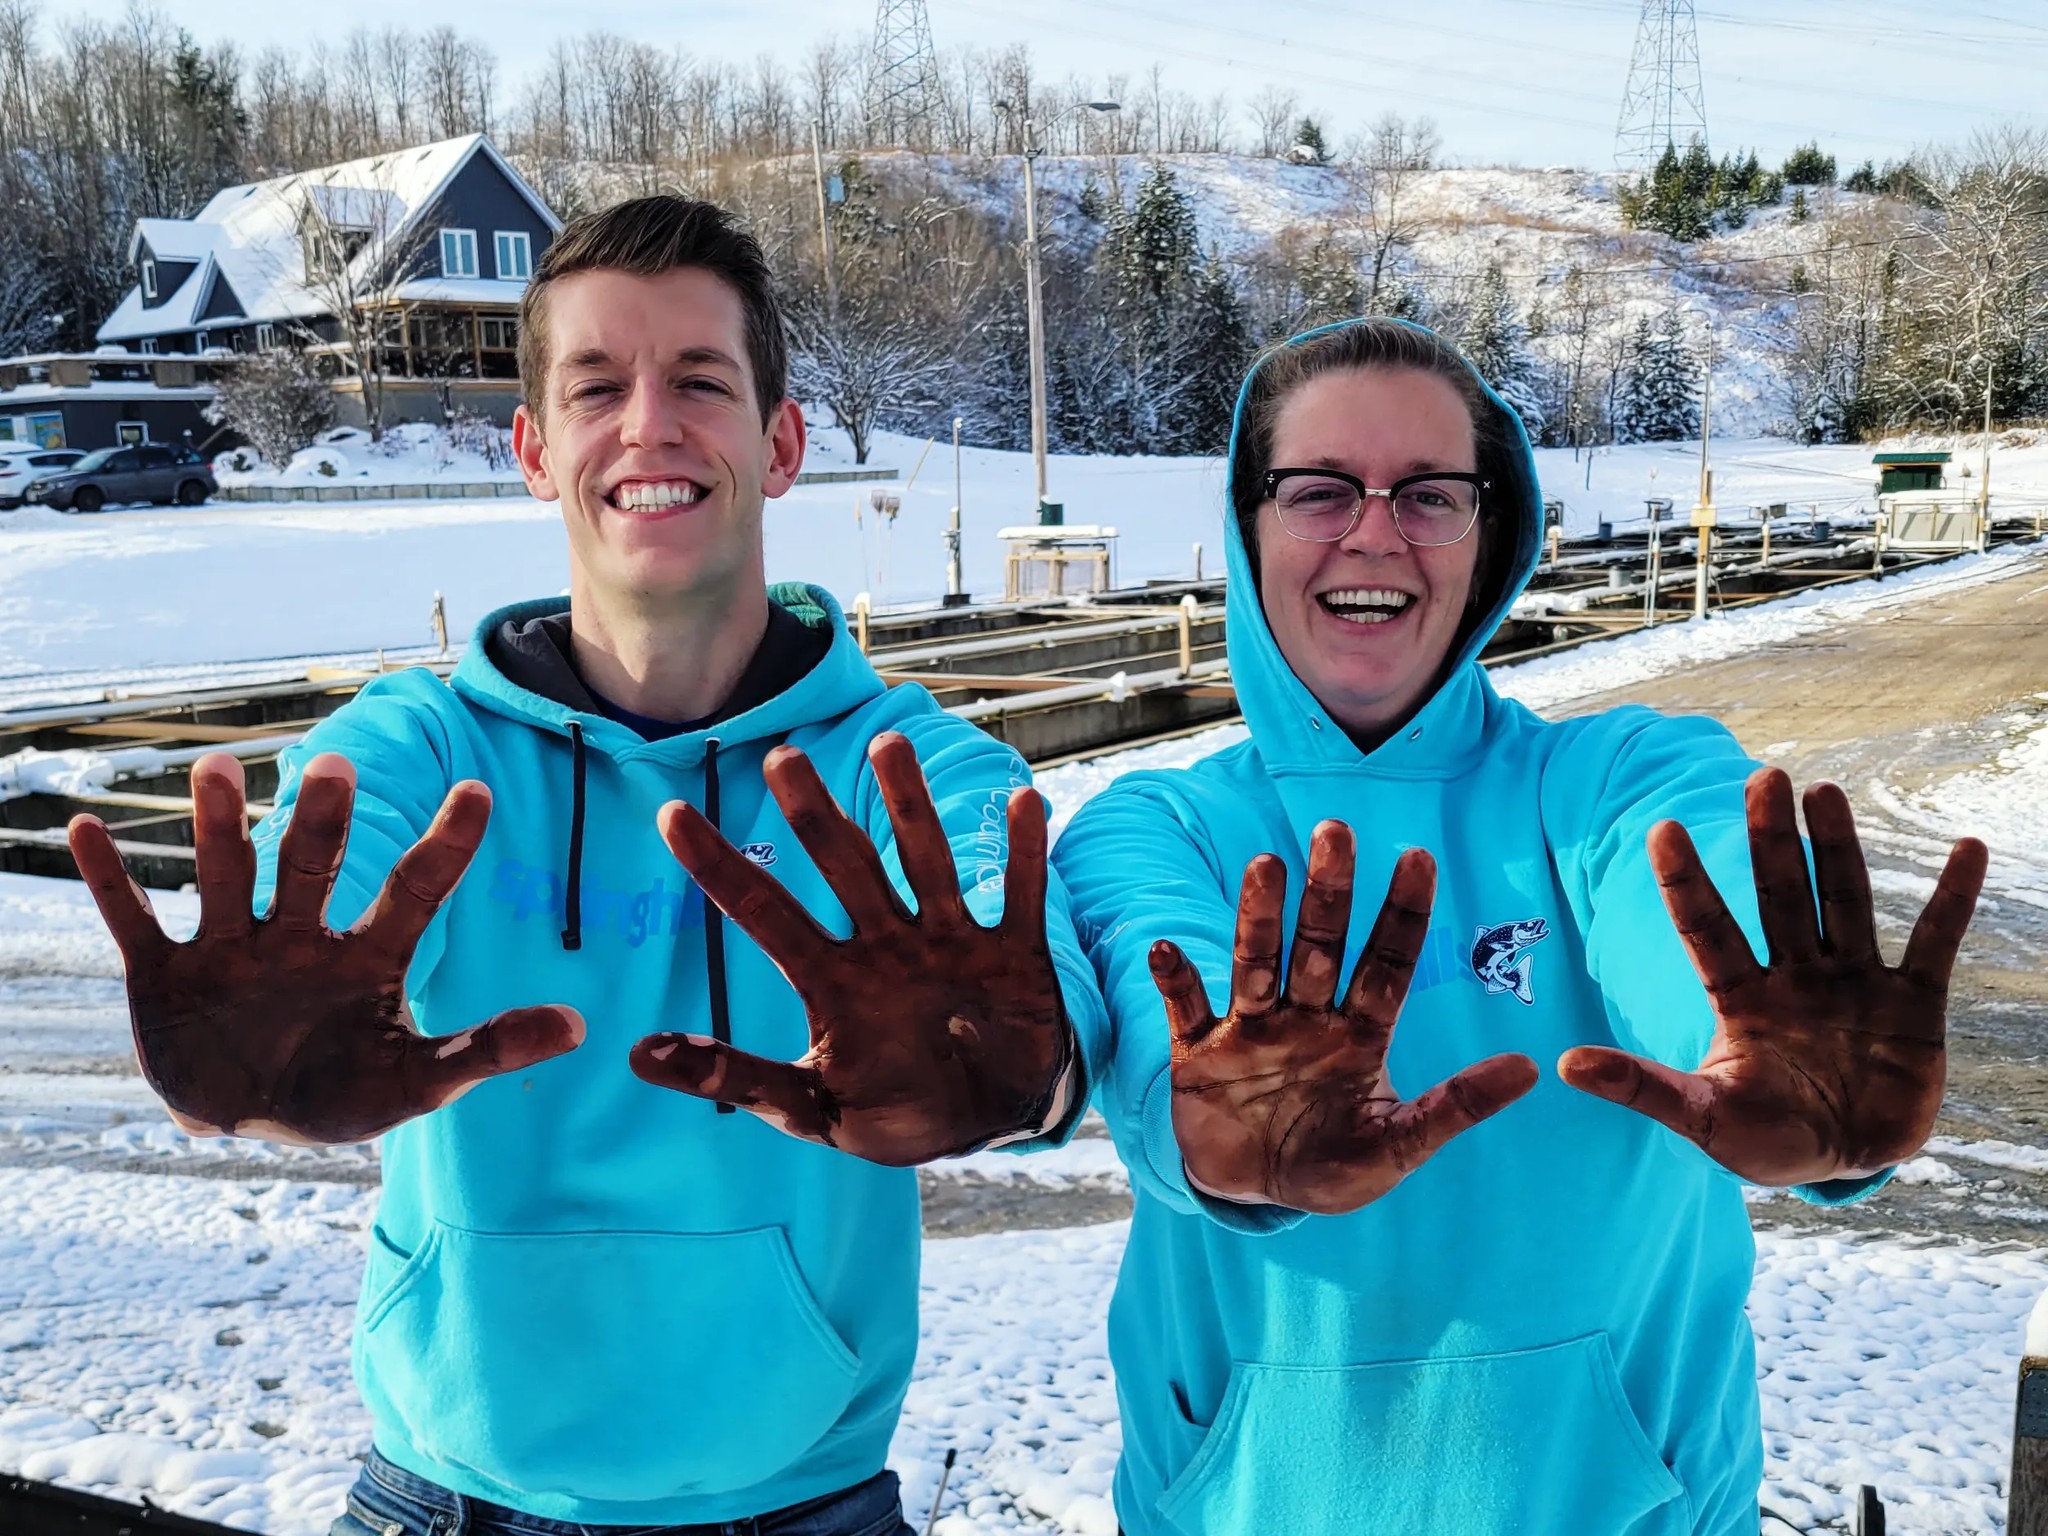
[[277, 1027], [1826, 1063], [1286, 1099], [930, 1034]]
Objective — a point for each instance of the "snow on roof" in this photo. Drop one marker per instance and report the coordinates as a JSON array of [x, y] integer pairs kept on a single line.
[[464, 290], [251, 236], [174, 239]]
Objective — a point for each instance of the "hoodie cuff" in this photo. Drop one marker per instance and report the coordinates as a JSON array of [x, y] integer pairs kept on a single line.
[[1843, 1191], [1168, 1167]]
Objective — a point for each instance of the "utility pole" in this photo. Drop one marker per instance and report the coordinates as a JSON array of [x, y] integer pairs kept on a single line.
[[1984, 477], [956, 592], [1703, 514], [1034, 299], [824, 224]]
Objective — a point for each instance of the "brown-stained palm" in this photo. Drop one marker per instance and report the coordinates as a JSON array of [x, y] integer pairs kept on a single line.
[[1286, 1099], [1825, 1062], [278, 1027], [930, 1034]]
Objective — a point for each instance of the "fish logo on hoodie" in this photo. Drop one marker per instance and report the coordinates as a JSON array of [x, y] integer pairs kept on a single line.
[[1501, 958]]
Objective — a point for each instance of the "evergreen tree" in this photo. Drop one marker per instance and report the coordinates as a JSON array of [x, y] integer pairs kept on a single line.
[[1216, 348], [1863, 178], [1806, 166], [1658, 398], [1309, 135], [1685, 196], [1495, 343], [1151, 260], [1328, 282], [1800, 211], [1403, 300]]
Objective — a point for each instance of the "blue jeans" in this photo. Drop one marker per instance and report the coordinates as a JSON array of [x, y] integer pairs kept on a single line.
[[390, 1501]]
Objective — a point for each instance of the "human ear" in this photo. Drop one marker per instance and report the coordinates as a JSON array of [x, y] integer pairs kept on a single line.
[[786, 440], [530, 449]]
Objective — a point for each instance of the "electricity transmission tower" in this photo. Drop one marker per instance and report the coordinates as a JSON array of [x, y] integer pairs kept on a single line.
[[1664, 103], [904, 74]]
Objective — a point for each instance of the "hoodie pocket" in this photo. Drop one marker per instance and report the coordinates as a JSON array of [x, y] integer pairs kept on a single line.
[[1539, 1442], [604, 1365]]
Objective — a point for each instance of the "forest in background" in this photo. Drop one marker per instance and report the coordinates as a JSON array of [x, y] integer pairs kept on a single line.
[[1912, 289]]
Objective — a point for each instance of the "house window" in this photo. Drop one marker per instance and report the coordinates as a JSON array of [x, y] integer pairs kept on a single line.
[[515, 254], [148, 279], [202, 341], [149, 344], [265, 338], [499, 333], [458, 253]]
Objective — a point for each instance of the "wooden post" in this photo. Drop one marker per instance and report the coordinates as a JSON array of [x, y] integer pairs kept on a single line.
[[2027, 1493], [860, 621], [1188, 605]]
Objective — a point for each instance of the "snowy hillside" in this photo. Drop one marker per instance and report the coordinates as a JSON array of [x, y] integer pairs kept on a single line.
[[1536, 223]]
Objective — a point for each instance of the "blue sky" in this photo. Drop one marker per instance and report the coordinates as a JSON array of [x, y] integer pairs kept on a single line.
[[1520, 81]]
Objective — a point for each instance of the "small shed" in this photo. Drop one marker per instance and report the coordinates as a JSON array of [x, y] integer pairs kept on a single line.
[[1920, 471]]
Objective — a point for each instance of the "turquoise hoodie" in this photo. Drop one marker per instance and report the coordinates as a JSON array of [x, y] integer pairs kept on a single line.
[[590, 1298], [1541, 1330]]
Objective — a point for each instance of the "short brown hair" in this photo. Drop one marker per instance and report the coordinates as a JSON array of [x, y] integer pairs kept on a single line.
[[1371, 343], [649, 236]]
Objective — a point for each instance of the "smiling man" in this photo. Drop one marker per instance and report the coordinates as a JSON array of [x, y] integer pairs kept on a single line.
[[591, 1301]]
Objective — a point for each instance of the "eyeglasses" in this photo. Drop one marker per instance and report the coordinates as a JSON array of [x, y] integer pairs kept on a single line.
[[1320, 506]]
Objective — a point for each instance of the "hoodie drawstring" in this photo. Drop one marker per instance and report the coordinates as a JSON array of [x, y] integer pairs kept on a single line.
[[714, 920], [572, 934]]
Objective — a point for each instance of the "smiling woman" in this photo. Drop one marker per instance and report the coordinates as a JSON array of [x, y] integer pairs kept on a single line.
[[1342, 1307]]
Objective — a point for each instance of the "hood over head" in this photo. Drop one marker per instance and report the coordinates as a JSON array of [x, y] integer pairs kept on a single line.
[[1290, 724]]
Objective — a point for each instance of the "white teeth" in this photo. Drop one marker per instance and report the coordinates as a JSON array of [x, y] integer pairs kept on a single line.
[[651, 494], [1369, 597], [1366, 605]]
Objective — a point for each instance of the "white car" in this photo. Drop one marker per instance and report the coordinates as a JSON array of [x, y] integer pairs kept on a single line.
[[21, 464]]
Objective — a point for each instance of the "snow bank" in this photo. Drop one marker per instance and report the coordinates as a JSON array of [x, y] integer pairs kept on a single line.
[[416, 453]]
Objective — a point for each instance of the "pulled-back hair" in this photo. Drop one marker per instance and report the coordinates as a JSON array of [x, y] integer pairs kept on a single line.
[[1373, 343], [648, 236]]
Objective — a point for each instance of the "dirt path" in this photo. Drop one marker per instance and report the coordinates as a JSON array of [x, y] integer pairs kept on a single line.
[[1887, 706]]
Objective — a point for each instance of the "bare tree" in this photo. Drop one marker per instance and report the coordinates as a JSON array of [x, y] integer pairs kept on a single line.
[[1981, 264], [1274, 111], [276, 400], [1382, 172], [358, 252], [863, 364]]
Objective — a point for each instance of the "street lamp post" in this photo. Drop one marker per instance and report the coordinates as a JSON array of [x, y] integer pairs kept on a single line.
[[1034, 302]]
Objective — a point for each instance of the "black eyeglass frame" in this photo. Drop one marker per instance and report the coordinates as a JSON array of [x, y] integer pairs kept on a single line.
[[1479, 485]]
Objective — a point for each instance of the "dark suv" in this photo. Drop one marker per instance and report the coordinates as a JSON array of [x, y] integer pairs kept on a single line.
[[146, 472]]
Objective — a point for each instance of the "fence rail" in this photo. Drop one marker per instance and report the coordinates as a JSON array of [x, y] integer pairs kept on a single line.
[[473, 490]]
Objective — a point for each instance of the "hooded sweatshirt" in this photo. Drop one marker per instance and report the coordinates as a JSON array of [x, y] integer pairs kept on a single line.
[[1541, 1329], [587, 1297]]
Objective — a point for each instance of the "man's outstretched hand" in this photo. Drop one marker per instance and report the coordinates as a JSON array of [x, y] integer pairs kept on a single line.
[[277, 1027], [1826, 1063], [1286, 1099], [930, 1034]]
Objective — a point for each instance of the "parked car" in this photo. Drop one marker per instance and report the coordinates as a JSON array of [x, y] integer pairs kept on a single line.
[[22, 464], [148, 472]]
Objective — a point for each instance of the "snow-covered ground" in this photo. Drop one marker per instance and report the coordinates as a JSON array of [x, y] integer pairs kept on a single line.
[[157, 597], [187, 1339]]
